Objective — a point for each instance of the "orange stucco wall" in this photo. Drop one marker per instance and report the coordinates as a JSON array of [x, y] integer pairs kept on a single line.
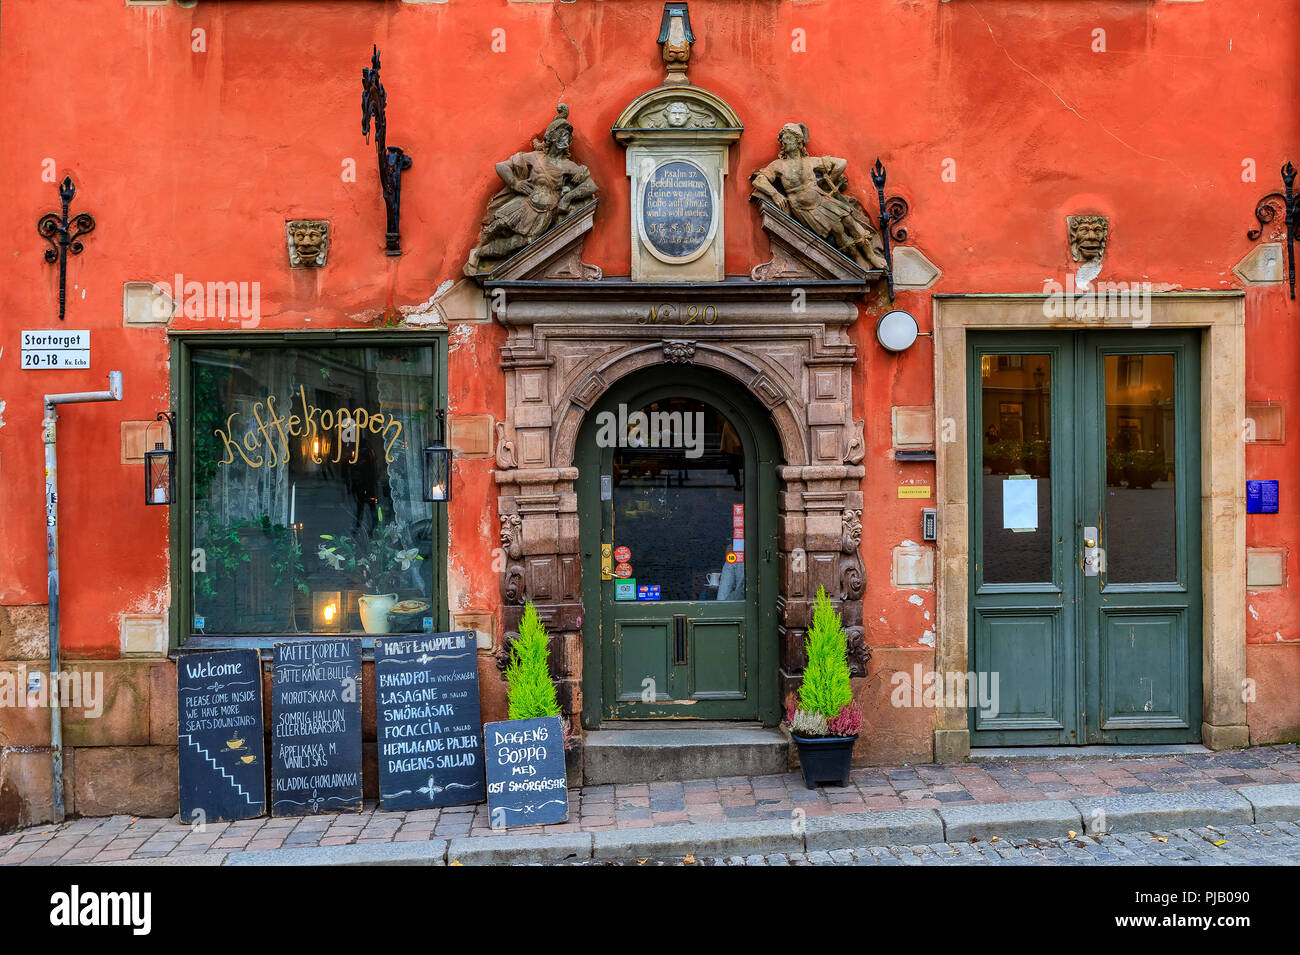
[[995, 119]]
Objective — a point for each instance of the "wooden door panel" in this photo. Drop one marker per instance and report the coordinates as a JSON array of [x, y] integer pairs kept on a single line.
[[641, 652], [1144, 671], [1027, 652], [717, 654]]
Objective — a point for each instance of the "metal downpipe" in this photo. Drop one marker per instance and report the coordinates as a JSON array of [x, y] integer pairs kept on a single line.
[[49, 420]]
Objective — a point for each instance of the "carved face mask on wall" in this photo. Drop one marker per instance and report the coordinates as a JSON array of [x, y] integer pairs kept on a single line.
[[1087, 237], [308, 242]]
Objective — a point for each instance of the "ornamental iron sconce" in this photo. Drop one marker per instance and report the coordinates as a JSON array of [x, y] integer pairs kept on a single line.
[[392, 160], [159, 469], [892, 211], [437, 466], [64, 236], [1266, 211]]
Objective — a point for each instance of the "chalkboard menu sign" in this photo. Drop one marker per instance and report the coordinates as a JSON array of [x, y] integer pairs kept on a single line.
[[427, 710], [316, 732], [525, 772], [220, 752], [677, 209]]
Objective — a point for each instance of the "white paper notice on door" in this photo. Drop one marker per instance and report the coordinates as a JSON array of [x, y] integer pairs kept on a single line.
[[1020, 504]]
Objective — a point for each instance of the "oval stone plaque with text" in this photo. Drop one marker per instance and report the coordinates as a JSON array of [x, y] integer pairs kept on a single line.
[[677, 210]]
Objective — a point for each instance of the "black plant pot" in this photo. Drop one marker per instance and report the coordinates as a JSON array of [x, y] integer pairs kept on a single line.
[[825, 759]]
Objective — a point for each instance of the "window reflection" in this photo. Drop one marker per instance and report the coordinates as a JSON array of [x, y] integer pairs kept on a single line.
[[678, 500], [306, 478], [1141, 527], [1016, 431]]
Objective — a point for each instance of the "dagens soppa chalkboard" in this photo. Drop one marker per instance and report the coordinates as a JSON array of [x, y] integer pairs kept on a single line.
[[427, 721], [525, 772], [316, 736], [219, 736]]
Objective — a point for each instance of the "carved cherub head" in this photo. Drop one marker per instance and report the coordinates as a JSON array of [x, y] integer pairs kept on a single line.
[[308, 242], [1087, 237]]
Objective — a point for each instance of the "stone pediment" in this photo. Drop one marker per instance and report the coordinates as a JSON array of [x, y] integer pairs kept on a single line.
[[677, 112], [556, 254], [799, 254]]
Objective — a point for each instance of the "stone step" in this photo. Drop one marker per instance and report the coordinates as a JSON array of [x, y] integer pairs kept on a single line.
[[656, 755]]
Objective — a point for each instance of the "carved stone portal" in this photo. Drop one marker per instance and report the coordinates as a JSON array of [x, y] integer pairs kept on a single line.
[[567, 343]]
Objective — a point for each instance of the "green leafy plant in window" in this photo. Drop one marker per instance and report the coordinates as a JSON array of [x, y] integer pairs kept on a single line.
[[531, 693], [379, 557]]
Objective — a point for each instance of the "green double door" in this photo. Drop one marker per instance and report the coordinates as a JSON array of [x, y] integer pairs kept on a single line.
[[1085, 611], [677, 497]]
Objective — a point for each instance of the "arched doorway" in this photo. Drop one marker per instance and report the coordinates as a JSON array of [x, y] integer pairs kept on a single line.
[[677, 501]]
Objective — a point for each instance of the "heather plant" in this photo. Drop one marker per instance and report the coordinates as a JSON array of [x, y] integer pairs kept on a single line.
[[531, 692], [808, 724], [825, 688], [847, 723]]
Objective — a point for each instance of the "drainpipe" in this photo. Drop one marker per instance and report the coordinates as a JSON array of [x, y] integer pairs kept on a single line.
[[114, 393]]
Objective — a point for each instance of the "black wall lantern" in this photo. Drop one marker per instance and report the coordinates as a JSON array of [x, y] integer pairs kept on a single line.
[[437, 465], [159, 472]]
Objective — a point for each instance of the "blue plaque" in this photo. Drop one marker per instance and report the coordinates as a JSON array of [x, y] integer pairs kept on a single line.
[[677, 209], [1261, 497], [526, 783]]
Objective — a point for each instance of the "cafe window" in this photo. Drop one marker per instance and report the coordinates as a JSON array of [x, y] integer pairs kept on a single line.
[[301, 505]]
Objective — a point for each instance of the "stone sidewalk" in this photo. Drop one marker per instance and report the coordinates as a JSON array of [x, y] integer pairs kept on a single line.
[[671, 804]]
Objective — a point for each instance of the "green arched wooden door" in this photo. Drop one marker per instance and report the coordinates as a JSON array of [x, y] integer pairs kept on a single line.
[[677, 495]]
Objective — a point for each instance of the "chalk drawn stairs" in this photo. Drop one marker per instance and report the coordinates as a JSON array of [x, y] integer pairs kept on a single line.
[[218, 767]]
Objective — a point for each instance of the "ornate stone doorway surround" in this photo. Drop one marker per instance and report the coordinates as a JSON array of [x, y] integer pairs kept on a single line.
[[1221, 317], [569, 341]]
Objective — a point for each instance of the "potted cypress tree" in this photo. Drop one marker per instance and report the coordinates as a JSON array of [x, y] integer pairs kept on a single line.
[[826, 720], [531, 692]]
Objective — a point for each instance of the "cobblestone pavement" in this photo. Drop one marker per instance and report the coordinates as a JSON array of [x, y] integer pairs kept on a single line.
[[645, 805], [1276, 843]]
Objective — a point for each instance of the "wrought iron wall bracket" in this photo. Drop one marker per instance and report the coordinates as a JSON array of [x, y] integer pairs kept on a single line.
[[892, 211], [392, 160], [64, 236], [1266, 212]]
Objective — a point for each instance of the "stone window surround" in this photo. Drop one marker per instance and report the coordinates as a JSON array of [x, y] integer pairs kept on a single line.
[[1221, 316]]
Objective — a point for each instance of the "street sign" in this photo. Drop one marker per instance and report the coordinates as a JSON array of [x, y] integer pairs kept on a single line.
[[55, 350]]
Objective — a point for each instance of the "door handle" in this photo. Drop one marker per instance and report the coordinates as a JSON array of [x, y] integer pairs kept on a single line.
[[606, 561], [1092, 556], [679, 639]]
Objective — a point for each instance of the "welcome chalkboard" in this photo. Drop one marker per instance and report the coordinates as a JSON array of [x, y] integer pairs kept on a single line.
[[427, 721], [220, 753], [525, 772], [316, 732]]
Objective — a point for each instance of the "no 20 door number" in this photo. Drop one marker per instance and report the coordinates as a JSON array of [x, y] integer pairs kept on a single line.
[[669, 314]]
